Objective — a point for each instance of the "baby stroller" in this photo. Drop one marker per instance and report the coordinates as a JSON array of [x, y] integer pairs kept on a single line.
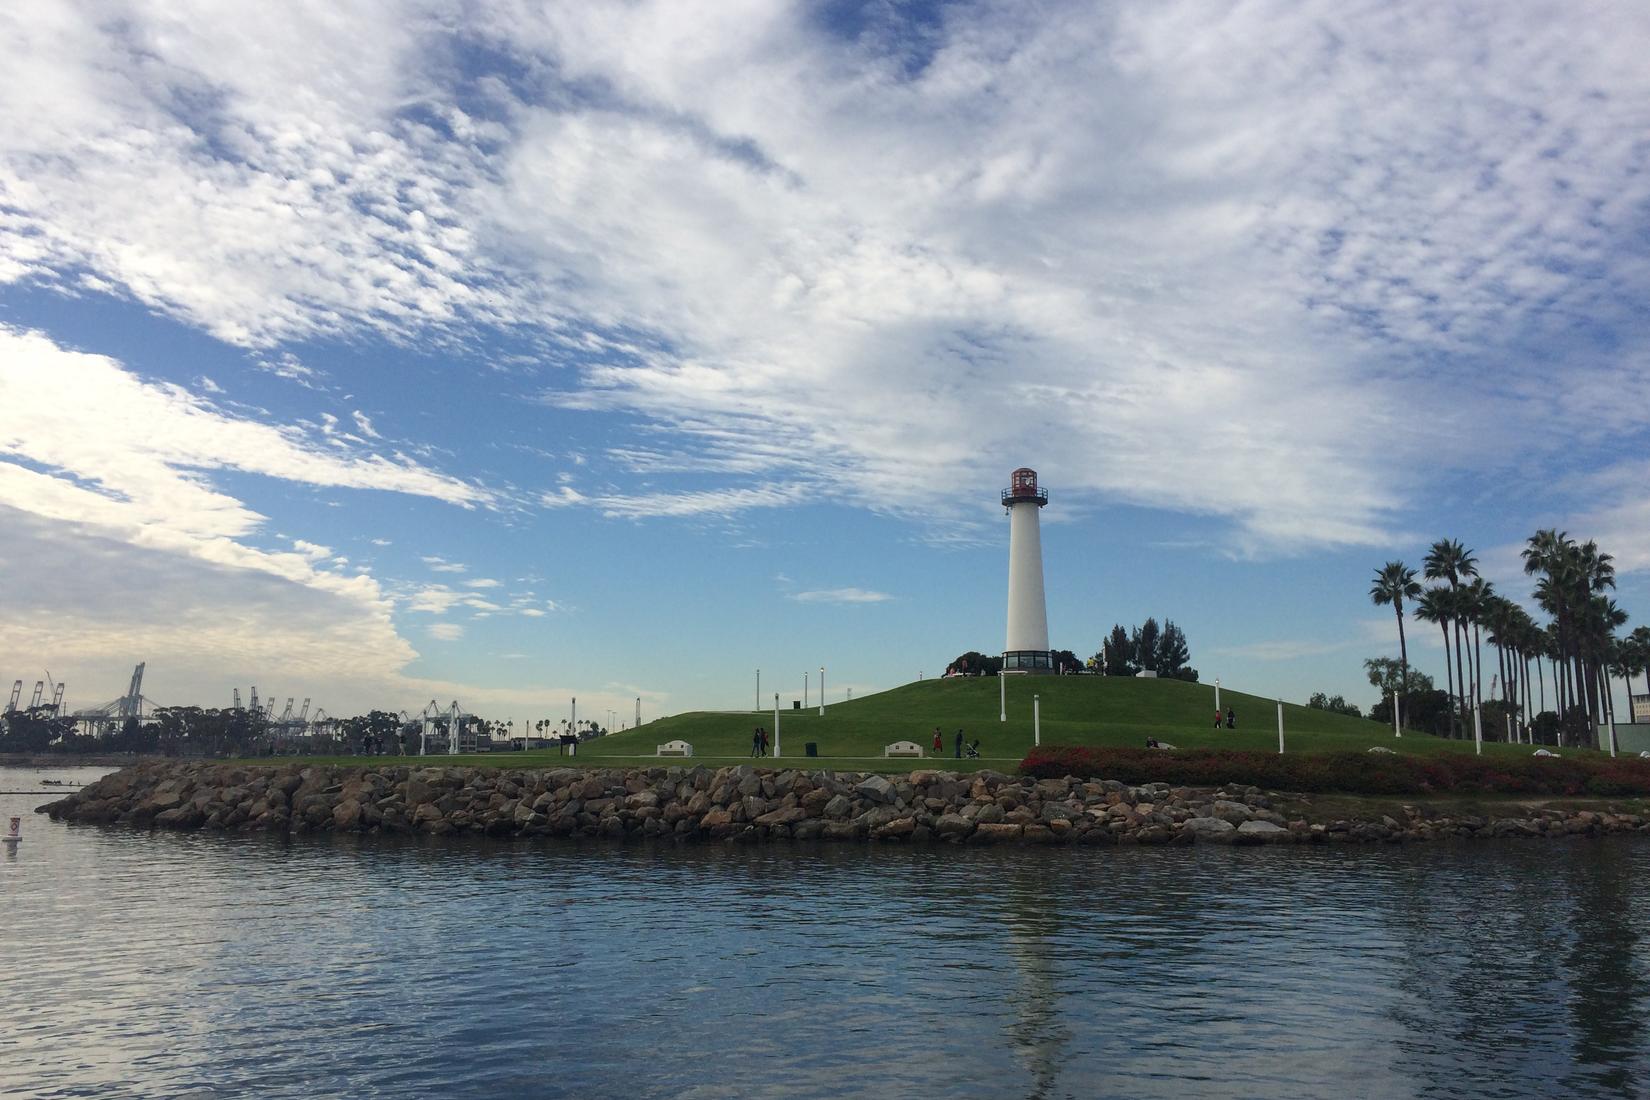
[[972, 750]]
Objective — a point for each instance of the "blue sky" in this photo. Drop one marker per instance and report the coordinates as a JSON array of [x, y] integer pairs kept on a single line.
[[508, 353]]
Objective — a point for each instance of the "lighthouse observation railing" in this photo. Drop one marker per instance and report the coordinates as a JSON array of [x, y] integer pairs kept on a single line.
[[1014, 496]]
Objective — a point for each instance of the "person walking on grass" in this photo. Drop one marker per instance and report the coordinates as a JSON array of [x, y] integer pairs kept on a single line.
[[939, 742], [756, 741], [959, 744]]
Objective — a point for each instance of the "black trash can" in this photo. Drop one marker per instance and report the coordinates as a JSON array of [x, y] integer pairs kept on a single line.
[[810, 748]]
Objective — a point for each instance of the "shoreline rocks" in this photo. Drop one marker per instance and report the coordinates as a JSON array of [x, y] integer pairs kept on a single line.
[[745, 803]]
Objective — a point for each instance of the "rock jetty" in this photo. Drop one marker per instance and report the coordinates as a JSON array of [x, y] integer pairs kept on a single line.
[[749, 804]]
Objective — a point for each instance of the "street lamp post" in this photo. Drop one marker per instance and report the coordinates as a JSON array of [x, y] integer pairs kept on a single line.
[[1002, 697], [1217, 692], [822, 691], [776, 725], [1036, 720], [1280, 727]]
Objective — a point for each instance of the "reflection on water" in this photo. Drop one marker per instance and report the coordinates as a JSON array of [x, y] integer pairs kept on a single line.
[[188, 964]]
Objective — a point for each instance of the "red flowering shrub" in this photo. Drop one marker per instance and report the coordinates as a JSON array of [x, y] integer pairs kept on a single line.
[[1351, 772]]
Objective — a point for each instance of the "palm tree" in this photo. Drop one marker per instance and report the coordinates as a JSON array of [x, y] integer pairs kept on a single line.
[[1395, 581], [1433, 607], [1640, 656], [1448, 560], [1478, 596]]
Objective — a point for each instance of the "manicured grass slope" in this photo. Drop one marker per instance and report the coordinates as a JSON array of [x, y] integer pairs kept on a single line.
[[1076, 710]]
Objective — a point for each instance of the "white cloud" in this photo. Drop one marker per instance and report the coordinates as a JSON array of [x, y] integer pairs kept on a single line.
[[106, 448], [441, 565], [445, 632], [208, 385], [841, 595], [1208, 259], [381, 542], [363, 422], [714, 502], [481, 582]]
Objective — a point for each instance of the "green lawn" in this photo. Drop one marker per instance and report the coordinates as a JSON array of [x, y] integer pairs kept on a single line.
[[1076, 710]]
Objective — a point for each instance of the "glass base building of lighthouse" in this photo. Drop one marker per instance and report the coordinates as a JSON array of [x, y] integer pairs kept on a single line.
[[1026, 649]]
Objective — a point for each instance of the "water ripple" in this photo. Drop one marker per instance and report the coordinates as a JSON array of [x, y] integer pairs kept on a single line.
[[193, 965]]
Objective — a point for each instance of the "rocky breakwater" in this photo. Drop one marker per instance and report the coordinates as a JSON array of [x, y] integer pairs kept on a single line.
[[746, 803]]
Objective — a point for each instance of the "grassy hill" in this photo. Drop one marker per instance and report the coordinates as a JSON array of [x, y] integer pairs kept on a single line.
[[1076, 710]]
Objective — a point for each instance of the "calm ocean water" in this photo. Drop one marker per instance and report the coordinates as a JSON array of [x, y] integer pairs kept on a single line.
[[139, 964]]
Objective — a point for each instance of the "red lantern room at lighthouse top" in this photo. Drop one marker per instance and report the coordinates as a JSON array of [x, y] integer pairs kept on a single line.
[[1022, 489]]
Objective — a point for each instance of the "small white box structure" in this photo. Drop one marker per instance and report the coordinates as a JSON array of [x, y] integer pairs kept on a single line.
[[674, 748], [902, 748]]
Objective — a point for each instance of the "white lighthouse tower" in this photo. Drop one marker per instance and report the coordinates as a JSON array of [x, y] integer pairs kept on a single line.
[[1026, 649]]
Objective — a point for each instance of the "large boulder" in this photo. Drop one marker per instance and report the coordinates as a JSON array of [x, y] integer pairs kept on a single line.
[[875, 788], [1210, 828], [1262, 832]]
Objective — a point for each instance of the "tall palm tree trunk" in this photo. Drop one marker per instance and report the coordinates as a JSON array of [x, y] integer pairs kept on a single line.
[[1449, 676], [1460, 682], [1403, 664], [1478, 667]]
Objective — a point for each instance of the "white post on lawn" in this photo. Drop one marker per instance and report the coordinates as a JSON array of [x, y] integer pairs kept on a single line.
[[805, 676], [1217, 692], [1611, 722], [822, 691], [1280, 727], [1395, 732], [1036, 720], [776, 724], [1002, 697], [1477, 729]]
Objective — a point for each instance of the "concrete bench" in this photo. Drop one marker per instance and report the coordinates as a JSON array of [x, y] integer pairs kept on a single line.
[[674, 748], [902, 748]]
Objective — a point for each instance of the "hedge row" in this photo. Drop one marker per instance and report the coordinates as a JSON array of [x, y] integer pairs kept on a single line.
[[1351, 772]]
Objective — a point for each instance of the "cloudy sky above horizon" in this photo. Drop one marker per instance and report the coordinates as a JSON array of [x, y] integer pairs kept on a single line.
[[510, 352]]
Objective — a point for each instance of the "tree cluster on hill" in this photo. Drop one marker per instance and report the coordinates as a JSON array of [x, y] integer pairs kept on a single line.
[[1334, 704], [1162, 649], [1147, 648]]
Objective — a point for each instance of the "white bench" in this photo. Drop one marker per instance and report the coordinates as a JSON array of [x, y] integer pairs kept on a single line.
[[674, 748], [902, 748]]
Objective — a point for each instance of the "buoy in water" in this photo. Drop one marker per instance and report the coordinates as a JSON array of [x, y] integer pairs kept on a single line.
[[14, 834]]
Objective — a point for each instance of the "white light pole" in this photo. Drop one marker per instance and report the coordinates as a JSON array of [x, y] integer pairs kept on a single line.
[[1280, 727], [1611, 722], [776, 724], [1036, 720], [850, 695], [638, 711], [1395, 732], [822, 691], [1002, 697], [805, 676], [1477, 729], [574, 721], [1217, 692]]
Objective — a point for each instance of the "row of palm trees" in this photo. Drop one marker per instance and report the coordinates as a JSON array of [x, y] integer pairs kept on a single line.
[[1578, 645]]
